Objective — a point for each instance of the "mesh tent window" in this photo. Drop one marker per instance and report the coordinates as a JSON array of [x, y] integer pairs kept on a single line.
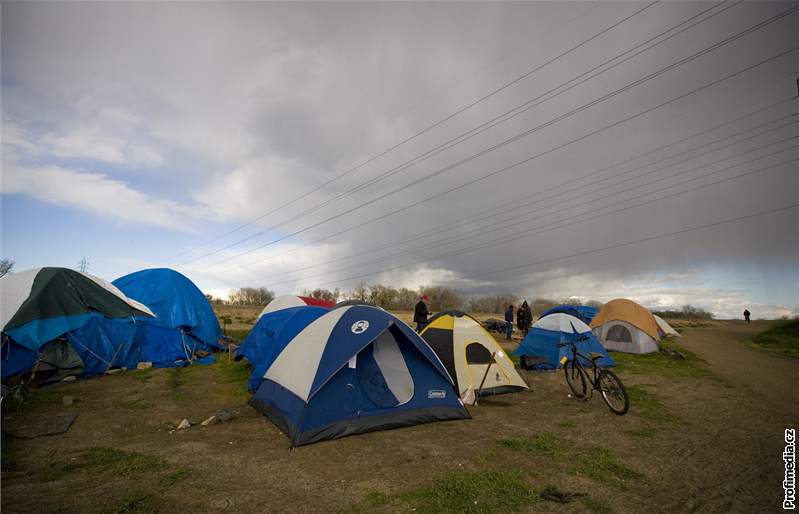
[[619, 333], [477, 354]]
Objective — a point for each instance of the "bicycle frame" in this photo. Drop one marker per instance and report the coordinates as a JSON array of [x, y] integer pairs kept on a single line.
[[575, 354]]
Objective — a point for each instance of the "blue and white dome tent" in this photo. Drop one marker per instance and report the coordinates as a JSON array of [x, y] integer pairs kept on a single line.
[[582, 312], [548, 332], [176, 301], [271, 334], [354, 369]]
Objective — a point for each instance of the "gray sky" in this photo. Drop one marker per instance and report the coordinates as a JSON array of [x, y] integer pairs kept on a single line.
[[137, 134]]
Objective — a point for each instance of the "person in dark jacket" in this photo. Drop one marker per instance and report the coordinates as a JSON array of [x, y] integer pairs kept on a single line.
[[747, 314], [509, 322], [420, 313], [527, 318]]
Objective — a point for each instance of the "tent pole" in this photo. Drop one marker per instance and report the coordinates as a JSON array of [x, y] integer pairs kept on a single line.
[[485, 375]]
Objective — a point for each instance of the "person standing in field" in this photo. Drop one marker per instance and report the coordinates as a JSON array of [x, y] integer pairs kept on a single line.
[[509, 322], [420, 313], [528, 318], [746, 315]]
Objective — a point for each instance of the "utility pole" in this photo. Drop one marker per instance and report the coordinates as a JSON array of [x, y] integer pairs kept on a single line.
[[83, 265]]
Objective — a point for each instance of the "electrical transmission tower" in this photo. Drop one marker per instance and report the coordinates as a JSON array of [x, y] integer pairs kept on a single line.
[[83, 265]]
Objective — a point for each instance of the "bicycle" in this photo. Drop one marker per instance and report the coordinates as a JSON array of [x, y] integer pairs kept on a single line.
[[604, 381]]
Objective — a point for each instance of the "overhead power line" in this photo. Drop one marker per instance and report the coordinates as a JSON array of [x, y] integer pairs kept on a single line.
[[528, 132], [440, 122], [638, 241], [487, 125], [526, 198], [514, 209], [587, 252], [592, 215], [493, 122], [585, 136]]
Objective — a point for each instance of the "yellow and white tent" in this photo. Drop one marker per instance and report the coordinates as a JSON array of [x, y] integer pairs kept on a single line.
[[467, 350]]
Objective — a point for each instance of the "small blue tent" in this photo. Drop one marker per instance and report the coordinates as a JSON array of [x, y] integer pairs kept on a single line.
[[582, 312], [176, 302], [354, 369], [548, 332]]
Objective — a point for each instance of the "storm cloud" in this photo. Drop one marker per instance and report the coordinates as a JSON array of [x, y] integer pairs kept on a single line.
[[200, 125]]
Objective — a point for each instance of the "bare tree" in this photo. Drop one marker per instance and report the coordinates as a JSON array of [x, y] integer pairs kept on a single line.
[[252, 296], [6, 266], [322, 294], [442, 298]]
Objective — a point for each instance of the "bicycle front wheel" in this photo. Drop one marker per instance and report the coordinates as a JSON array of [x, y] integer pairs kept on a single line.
[[576, 379], [613, 392]]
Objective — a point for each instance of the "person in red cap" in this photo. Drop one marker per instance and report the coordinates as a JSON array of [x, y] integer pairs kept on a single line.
[[420, 313]]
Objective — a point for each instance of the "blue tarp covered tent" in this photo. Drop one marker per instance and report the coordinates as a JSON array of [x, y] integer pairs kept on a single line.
[[101, 325], [547, 333], [354, 369], [582, 312], [176, 302], [102, 343], [270, 335]]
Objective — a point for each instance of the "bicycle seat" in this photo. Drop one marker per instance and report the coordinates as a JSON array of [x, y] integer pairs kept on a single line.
[[595, 356]]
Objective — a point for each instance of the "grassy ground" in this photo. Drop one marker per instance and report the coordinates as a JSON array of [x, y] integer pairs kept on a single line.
[[124, 454], [783, 338], [665, 364]]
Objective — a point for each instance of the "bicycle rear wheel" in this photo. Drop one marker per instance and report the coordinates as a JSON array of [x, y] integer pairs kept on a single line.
[[613, 392], [576, 379]]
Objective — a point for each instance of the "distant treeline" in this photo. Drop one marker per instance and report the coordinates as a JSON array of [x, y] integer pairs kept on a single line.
[[687, 311], [439, 298], [404, 299]]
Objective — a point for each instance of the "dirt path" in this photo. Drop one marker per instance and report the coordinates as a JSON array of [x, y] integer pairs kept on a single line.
[[770, 377]]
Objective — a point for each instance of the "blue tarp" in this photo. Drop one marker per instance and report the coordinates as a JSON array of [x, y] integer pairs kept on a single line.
[[582, 312], [545, 343], [175, 300], [271, 334], [99, 341]]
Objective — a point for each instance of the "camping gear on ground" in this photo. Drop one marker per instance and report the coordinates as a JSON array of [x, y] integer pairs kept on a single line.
[[354, 369], [86, 318], [471, 355], [624, 326], [601, 380], [582, 312], [290, 300], [495, 325], [176, 302], [542, 345], [665, 328]]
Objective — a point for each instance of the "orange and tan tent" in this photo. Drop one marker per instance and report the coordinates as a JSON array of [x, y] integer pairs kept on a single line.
[[626, 326]]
